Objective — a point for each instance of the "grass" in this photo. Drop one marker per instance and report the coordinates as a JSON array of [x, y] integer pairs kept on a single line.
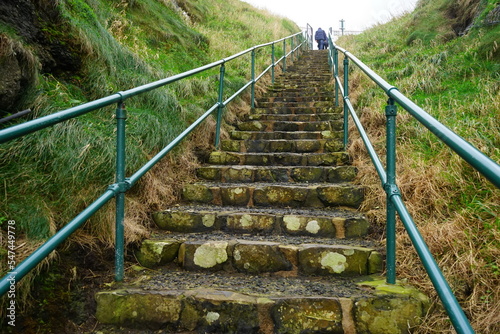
[[455, 79], [50, 176]]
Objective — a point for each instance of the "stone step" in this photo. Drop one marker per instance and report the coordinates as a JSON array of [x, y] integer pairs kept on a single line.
[[279, 159], [325, 223], [303, 86], [259, 135], [254, 254], [286, 109], [219, 303], [320, 74], [294, 117], [281, 145], [294, 99], [264, 125], [294, 195], [291, 91], [305, 104], [245, 174]]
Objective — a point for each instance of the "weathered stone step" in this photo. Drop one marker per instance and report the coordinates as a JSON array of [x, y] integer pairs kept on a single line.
[[264, 125], [295, 195], [279, 159], [295, 117], [202, 303], [244, 174], [304, 104], [294, 99], [302, 86], [281, 145], [252, 254], [325, 223], [322, 75], [298, 110], [280, 90], [259, 135]]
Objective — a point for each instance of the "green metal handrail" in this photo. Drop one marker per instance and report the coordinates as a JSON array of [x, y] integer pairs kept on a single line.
[[479, 161], [122, 184]]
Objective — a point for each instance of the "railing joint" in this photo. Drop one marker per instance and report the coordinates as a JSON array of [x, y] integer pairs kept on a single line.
[[391, 89], [120, 187], [392, 189], [391, 109]]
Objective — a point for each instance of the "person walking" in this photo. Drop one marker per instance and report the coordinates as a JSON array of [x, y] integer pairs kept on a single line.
[[320, 38]]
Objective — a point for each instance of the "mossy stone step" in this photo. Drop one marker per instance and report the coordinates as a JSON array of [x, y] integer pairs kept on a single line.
[[282, 91], [218, 308], [295, 195], [279, 159], [320, 74], [339, 224], [252, 255], [282, 145], [295, 117], [263, 125], [244, 174], [297, 110], [303, 104], [296, 99], [260, 135]]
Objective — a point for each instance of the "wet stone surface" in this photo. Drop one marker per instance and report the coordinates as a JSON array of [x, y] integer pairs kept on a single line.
[[264, 285], [282, 239]]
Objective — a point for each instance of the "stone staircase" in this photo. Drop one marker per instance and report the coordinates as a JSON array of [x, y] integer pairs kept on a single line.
[[269, 240]]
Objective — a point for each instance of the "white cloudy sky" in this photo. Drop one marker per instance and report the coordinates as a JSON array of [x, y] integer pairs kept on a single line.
[[358, 14]]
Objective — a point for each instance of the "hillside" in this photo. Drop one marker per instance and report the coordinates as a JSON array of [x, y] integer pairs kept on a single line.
[[445, 57], [58, 54]]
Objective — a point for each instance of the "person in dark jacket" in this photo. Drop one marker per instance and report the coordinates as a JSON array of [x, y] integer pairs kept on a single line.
[[320, 38]]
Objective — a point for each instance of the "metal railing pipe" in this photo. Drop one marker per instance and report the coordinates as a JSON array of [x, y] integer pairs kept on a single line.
[[368, 144], [132, 180], [346, 94], [121, 117], [252, 89], [221, 105], [22, 129], [482, 163], [235, 95], [273, 63], [284, 55], [51, 244], [450, 303], [390, 188]]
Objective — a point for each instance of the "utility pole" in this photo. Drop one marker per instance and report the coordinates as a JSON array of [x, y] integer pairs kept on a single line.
[[342, 26]]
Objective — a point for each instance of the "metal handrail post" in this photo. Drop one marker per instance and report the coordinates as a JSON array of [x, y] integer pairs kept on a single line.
[[346, 97], [252, 88], [221, 105], [284, 56], [336, 74], [391, 189], [273, 64], [121, 117]]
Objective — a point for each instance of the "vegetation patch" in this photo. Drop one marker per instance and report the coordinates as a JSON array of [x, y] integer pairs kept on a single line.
[[452, 73]]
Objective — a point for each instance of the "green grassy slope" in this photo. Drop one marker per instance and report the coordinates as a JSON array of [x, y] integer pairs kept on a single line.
[[445, 57], [50, 176]]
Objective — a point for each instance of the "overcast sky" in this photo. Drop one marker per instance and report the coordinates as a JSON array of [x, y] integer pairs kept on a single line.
[[358, 14]]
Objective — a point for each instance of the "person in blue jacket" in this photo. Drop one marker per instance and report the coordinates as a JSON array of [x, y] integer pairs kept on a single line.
[[320, 38]]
